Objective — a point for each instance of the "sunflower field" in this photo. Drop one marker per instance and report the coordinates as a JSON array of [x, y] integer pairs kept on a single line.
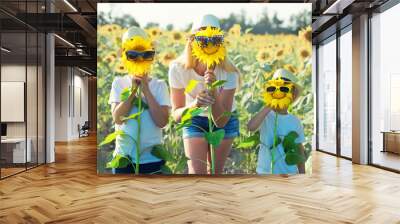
[[257, 57]]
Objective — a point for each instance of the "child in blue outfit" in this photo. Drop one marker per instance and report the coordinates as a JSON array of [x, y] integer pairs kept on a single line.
[[264, 121]]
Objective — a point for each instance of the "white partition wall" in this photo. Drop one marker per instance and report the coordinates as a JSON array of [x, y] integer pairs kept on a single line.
[[22, 95], [71, 102], [327, 96]]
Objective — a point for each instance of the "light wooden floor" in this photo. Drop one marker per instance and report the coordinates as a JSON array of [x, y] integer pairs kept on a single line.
[[70, 191]]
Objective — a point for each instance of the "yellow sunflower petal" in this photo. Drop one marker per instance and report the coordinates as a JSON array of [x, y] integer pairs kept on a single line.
[[137, 68], [275, 103], [210, 55]]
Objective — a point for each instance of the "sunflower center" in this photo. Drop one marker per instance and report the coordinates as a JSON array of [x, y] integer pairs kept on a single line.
[[210, 49], [139, 48], [278, 95]]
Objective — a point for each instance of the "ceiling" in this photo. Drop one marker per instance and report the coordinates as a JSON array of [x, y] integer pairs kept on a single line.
[[75, 22], [331, 15]]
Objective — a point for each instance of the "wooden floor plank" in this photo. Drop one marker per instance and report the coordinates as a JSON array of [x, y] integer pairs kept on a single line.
[[70, 191]]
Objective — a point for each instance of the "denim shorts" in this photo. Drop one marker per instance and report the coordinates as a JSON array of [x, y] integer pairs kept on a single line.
[[231, 128]]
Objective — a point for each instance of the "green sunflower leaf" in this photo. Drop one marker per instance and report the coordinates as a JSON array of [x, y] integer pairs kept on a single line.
[[218, 83], [160, 152], [132, 116], [126, 92], [289, 143], [181, 165], [215, 138], [111, 137], [119, 161], [166, 170], [293, 158], [249, 142]]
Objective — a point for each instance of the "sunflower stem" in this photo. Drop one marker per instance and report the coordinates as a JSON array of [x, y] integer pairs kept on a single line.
[[275, 142], [138, 131], [212, 150], [210, 129]]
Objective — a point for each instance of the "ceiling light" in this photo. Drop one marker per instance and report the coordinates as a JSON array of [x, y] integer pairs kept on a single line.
[[70, 5], [84, 71], [338, 6], [5, 50], [64, 40]]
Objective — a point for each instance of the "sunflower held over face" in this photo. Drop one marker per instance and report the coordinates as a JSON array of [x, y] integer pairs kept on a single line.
[[278, 94], [138, 67], [208, 46]]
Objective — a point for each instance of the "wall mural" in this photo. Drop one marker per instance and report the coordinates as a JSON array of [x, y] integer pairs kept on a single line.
[[193, 89]]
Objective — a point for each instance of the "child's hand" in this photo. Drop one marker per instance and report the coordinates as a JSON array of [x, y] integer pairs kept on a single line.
[[135, 83], [143, 81]]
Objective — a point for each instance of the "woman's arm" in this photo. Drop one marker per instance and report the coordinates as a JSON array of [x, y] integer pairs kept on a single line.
[[256, 121], [301, 166], [178, 103]]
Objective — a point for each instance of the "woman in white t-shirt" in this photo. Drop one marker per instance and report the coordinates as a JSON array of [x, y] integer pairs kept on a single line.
[[187, 68], [156, 96]]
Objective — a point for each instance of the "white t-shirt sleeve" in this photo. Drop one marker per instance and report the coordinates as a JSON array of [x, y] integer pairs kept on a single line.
[[175, 76], [232, 80], [300, 132], [162, 96], [115, 93]]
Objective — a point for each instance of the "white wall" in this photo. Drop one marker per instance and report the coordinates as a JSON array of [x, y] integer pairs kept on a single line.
[[70, 83]]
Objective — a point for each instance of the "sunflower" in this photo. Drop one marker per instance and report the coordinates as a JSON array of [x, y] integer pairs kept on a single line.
[[154, 32], [305, 53], [120, 68], [278, 99], [211, 54], [140, 67], [235, 30], [177, 36], [290, 68], [167, 57], [306, 33], [279, 54], [108, 29], [109, 59], [263, 56]]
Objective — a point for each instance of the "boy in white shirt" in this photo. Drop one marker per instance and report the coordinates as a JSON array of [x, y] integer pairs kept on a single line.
[[156, 96]]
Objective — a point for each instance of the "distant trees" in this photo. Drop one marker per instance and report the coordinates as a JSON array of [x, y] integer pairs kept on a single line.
[[267, 23], [123, 21]]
